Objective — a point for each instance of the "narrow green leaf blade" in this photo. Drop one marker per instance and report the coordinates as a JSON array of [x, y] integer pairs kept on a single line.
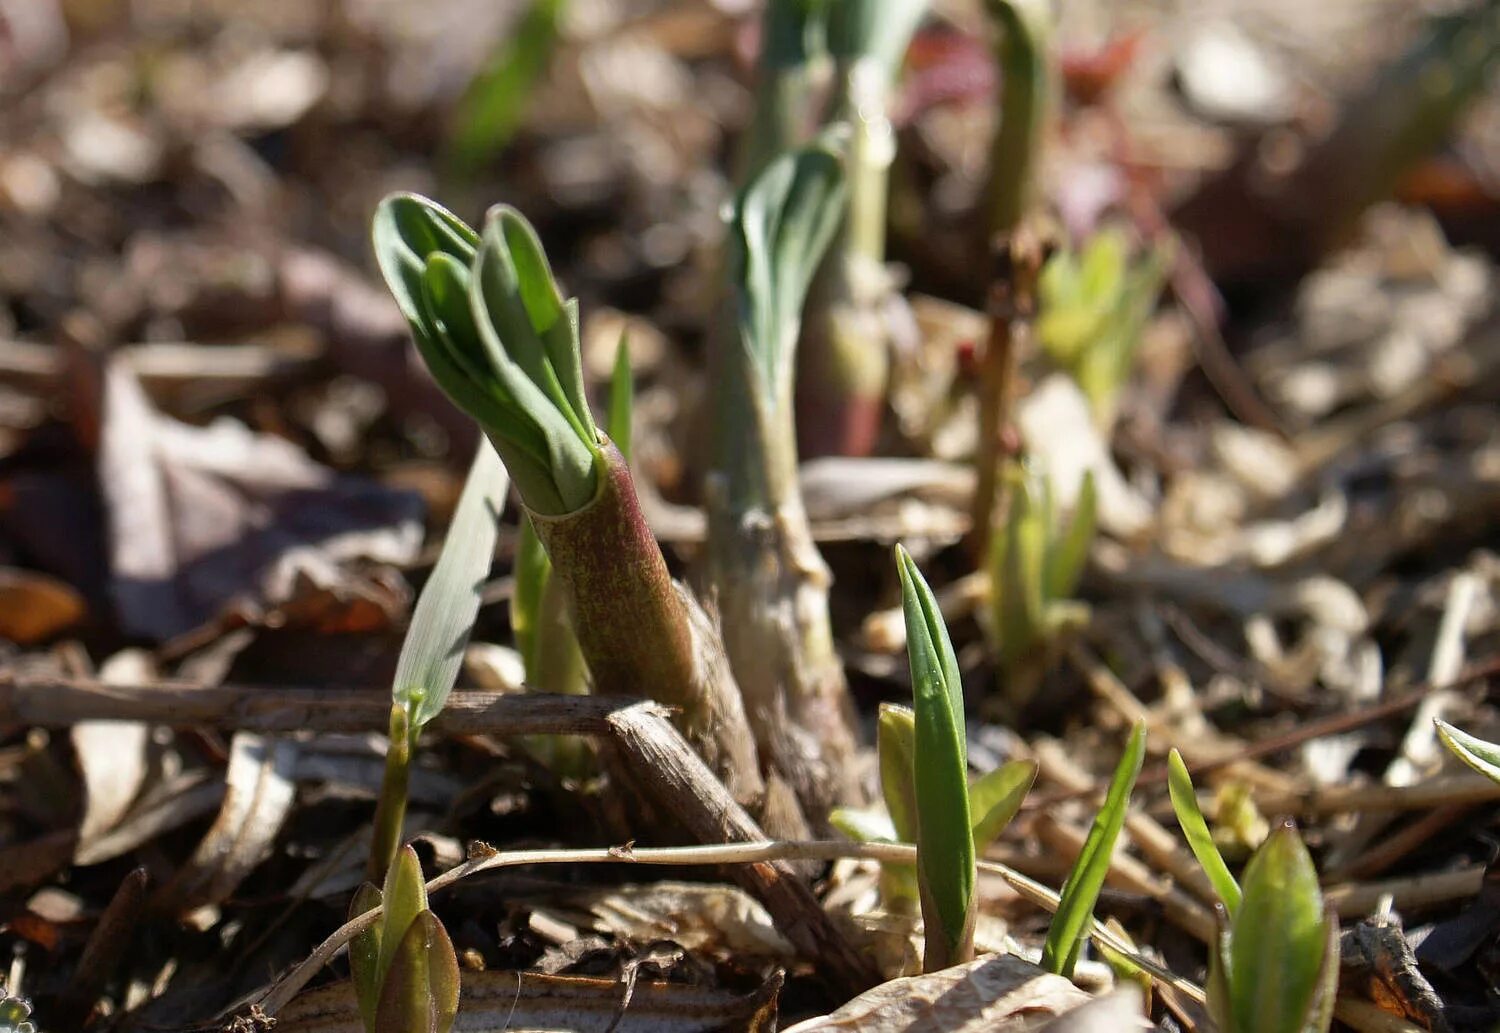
[[895, 743], [995, 798], [945, 846], [1068, 556], [404, 896], [1482, 756], [1200, 839], [364, 955], [1069, 929], [532, 571], [495, 101], [621, 399], [1279, 938], [421, 989], [432, 652]]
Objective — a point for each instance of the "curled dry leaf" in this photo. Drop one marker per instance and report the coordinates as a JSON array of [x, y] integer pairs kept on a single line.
[[112, 754], [200, 516], [35, 607], [526, 1000], [999, 993], [259, 798]]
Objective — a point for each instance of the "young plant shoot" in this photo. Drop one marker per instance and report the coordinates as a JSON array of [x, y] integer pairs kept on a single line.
[[433, 649], [1200, 839], [403, 968], [994, 799], [494, 329], [940, 780], [844, 358], [1034, 565], [772, 583], [1092, 314], [1075, 911], [1482, 756]]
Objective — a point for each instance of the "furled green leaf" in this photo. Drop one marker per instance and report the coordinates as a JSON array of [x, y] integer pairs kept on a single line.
[[1200, 839], [995, 798], [407, 229], [420, 994], [432, 652], [895, 742], [784, 221], [945, 846], [1482, 756], [404, 897], [621, 399], [1070, 926], [1279, 939], [1025, 99], [364, 955]]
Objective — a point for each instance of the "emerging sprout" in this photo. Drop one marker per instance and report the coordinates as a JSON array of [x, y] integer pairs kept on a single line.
[[994, 799], [1075, 910], [1093, 311], [1035, 562], [404, 970], [945, 841]]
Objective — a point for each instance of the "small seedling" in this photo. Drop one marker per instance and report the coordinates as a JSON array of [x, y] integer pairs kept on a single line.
[[940, 780], [1075, 910], [1274, 967], [404, 970], [1035, 563], [994, 799], [432, 652], [1094, 306]]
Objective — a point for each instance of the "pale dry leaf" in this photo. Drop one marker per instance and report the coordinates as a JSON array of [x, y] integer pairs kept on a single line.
[[165, 806], [1116, 1012], [1000, 993], [113, 755], [519, 1001], [700, 917], [259, 799]]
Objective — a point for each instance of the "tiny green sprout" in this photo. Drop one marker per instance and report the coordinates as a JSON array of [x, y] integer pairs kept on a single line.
[[945, 842], [1482, 756], [1070, 926], [1093, 308], [1200, 840], [1035, 563], [1275, 966], [432, 652], [403, 967], [498, 337], [994, 799]]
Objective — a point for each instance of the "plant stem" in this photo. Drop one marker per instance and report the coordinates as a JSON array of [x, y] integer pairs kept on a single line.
[[390, 811], [844, 361], [642, 634]]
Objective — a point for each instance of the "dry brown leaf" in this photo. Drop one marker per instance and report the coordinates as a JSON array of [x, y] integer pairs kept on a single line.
[[35, 607], [996, 994], [200, 516], [259, 798], [1113, 1013], [518, 1001], [112, 754]]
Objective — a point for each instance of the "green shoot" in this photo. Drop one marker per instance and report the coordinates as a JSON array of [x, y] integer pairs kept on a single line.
[[994, 799], [1200, 840], [1070, 926], [1482, 756], [499, 339], [432, 652], [1275, 967], [621, 400], [1026, 76], [793, 61], [404, 970], [945, 844], [1093, 312], [491, 109], [1035, 563]]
